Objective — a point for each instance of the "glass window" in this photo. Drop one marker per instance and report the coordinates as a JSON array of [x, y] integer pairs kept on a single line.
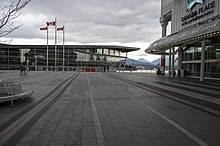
[[217, 53], [99, 51], [212, 65], [111, 52], [106, 51], [113, 59], [82, 57], [193, 53], [213, 52], [117, 53]]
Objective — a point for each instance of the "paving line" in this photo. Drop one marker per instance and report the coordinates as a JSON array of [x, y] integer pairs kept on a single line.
[[18, 124], [7, 133], [186, 132], [29, 108], [211, 95], [98, 129], [199, 85], [214, 111]]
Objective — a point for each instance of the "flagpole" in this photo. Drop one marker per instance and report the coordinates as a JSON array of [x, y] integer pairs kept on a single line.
[[47, 47], [55, 44], [63, 46]]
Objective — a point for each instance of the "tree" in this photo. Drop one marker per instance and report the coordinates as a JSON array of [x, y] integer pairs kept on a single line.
[[8, 13]]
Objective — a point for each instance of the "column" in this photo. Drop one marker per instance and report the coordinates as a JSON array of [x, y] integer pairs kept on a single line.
[[172, 67], [164, 33], [170, 62], [202, 68], [180, 59], [162, 64]]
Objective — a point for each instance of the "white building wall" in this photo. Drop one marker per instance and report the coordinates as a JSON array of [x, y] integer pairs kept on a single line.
[[178, 9]]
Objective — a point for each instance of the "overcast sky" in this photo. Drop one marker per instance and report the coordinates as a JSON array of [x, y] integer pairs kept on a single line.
[[132, 23]]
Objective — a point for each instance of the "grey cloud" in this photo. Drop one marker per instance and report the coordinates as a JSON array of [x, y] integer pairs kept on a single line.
[[96, 21]]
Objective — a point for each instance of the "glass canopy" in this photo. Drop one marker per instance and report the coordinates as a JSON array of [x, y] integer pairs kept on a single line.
[[191, 34]]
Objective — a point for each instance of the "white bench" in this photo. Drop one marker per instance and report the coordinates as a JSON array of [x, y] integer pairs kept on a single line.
[[12, 90]]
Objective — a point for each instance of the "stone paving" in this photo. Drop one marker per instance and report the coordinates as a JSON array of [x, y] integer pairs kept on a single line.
[[99, 109]]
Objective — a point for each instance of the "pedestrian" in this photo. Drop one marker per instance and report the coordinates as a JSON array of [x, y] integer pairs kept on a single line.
[[21, 69], [24, 68]]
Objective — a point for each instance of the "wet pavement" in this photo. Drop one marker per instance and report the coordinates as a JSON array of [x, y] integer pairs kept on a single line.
[[70, 108]]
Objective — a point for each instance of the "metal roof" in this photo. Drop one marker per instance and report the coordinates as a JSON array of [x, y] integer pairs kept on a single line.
[[187, 36], [119, 48]]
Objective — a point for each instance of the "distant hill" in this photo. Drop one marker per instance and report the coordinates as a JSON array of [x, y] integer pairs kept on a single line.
[[142, 60], [155, 62], [146, 64], [137, 63]]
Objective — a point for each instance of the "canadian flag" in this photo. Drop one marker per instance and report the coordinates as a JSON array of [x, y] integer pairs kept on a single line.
[[53, 23], [44, 28], [61, 28]]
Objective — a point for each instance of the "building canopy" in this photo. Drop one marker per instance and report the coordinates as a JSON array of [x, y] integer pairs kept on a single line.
[[186, 36], [123, 49]]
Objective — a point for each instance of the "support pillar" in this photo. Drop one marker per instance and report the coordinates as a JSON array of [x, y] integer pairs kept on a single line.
[[202, 68], [172, 67], [180, 59], [180, 73], [162, 64], [164, 33], [169, 62]]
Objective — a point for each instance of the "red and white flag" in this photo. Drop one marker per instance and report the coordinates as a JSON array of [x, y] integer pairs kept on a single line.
[[44, 28], [60, 29], [53, 23]]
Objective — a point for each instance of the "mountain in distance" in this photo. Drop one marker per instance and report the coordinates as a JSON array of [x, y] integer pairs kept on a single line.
[[137, 63], [147, 64], [157, 61], [143, 60]]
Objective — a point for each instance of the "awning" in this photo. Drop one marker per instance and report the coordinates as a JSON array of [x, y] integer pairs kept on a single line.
[[123, 49], [187, 36]]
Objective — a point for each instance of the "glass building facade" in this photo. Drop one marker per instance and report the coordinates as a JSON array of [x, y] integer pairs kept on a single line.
[[76, 57], [192, 60], [195, 37]]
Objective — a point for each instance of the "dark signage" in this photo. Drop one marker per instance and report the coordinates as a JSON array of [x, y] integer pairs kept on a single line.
[[198, 14]]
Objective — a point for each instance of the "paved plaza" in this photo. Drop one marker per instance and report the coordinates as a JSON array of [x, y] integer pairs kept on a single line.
[[111, 109]]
